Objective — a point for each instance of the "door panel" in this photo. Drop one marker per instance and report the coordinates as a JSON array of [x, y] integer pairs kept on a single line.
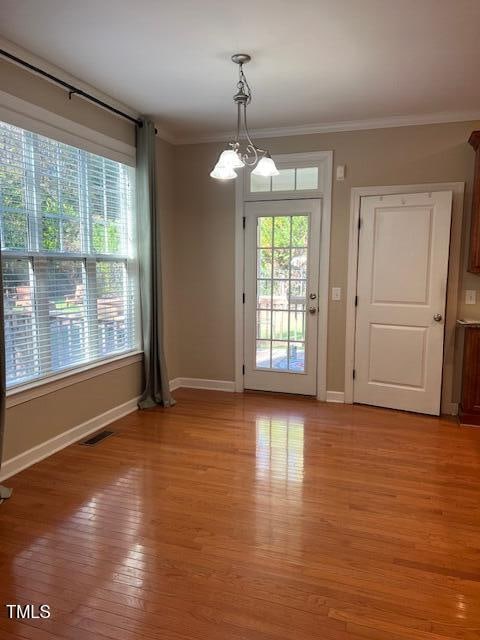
[[405, 279], [282, 241], [402, 281]]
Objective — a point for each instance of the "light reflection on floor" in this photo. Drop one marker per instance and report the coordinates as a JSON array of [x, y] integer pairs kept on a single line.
[[279, 449]]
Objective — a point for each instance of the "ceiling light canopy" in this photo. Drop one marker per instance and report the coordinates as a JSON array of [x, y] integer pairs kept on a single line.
[[243, 151]]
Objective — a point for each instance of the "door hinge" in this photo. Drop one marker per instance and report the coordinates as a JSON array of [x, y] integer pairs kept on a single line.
[[244, 221], [243, 369], [243, 298], [353, 374], [359, 223], [356, 301]]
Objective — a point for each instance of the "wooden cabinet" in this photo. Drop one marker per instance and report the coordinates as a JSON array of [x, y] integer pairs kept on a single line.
[[470, 406], [474, 262]]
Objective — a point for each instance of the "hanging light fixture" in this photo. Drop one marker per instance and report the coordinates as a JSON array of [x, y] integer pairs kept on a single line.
[[243, 151]]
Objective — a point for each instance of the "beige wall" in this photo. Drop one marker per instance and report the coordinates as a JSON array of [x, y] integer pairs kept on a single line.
[[167, 226], [201, 284], [35, 89], [33, 422]]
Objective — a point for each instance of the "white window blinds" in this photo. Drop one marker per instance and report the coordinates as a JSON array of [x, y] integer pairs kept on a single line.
[[69, 265]]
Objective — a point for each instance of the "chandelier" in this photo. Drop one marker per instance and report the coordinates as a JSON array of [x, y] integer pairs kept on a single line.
[[243, 151]]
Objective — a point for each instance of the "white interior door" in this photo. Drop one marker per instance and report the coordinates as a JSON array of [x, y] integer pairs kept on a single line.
[[282, 244], [402, 282]]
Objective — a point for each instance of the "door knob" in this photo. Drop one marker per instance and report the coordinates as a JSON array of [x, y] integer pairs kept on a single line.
[[313, 296], [437, 317], [312, 310]]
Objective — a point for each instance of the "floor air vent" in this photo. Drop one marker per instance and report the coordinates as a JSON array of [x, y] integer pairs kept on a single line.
[[97, 438]]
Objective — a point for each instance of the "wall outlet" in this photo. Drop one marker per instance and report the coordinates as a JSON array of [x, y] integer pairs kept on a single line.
[[336, 293], [470, 296]]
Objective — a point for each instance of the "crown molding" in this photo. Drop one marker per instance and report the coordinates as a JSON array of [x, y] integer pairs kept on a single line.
[[344, 125], [274, 132]]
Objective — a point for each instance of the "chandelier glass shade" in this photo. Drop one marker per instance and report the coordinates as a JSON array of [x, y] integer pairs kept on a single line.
[[242, 150]]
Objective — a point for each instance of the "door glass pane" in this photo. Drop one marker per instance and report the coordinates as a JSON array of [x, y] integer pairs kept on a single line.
[[299, 231], [281, 292], [281, 263], [297, 324], [263, 360], [299, 264], [307, 178], [298, 291], [282, 231], [264, 324], [280, 325], [280, 355], [265, 232], [264, 263], [296, 356], [285, 181], [264, 294]]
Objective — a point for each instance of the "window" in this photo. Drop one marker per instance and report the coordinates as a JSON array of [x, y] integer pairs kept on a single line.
[[296, 179], [69, 283]]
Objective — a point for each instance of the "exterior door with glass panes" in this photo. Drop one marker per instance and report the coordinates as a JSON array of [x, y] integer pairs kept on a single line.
[[282, 244]]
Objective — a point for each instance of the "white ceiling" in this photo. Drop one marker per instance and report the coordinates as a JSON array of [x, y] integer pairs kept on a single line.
[[315, 62]]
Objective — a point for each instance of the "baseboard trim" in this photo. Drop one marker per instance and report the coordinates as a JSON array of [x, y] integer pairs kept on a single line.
[[336, 396], [229, 386], [202, 383], [45, 449]]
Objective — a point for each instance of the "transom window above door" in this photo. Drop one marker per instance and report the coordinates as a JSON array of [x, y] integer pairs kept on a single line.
[[295, 179], [300, 175]]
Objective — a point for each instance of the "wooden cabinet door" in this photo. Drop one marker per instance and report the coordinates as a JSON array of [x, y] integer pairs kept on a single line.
[[470, 413], [474, 262]]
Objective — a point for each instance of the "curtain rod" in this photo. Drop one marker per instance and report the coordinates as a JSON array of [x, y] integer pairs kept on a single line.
[[72, 90]]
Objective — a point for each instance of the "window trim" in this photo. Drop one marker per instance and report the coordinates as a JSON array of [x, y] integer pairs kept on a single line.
[[31, 117], [30, 391]]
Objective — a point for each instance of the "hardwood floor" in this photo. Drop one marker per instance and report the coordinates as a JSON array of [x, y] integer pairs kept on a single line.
[[253, 516]]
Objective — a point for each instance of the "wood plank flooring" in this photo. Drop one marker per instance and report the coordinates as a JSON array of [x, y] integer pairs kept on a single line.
[[252, 516]]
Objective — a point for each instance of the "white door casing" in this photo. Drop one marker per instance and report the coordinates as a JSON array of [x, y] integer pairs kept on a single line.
[[401, 288], [281, 319], [324, 161]]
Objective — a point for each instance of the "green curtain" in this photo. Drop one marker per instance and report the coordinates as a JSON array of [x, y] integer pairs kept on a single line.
[[156, 389], [4, 492]]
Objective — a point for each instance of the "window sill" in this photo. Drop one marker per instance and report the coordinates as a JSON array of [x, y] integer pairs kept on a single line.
[[33, 390]]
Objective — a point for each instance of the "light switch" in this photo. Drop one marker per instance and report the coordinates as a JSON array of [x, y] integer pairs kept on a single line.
[[470, 296], [340, 173], [336, 293]]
